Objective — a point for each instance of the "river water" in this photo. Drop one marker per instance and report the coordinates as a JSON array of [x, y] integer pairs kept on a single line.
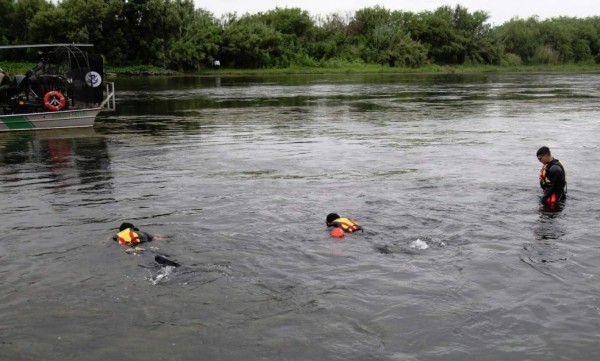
[[238, 174]]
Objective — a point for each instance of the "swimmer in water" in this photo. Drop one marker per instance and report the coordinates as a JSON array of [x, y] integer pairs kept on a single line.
[[346, 224], [131, 236]]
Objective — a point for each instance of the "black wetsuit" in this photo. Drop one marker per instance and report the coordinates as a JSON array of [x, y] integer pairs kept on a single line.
[[557, 176]]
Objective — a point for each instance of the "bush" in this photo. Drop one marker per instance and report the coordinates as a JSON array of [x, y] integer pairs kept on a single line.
[[510, 59], [546, 55]]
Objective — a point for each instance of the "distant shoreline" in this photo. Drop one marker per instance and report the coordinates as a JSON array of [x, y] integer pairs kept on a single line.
[[13, 68], [363, 69]]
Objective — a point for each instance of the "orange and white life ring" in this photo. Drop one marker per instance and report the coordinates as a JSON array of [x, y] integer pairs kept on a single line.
[[54, 100]]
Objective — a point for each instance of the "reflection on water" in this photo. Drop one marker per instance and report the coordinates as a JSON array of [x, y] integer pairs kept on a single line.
[[78, 156], [548, 233], [50, 178], [549, 225], [457, 260]]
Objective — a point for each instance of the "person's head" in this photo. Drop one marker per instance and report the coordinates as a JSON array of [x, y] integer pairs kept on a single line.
[[331, 217], [543, 155], [124, 226]]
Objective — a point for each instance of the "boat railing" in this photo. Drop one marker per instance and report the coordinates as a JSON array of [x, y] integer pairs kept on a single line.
[[109, 102]]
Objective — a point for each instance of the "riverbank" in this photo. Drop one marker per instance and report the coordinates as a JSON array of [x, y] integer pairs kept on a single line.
[[426, 69], [361, 68], [148, 70]]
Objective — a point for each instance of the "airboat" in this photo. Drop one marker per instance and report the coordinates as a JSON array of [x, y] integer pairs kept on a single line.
[[65, 89]]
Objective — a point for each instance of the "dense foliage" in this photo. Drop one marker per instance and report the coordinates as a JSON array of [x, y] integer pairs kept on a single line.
[[175, 35]]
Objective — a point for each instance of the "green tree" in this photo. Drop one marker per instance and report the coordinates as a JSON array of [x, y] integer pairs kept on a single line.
[[586, 40], [594, 41], [249, 43], [198, 41], [521, 37], [174, 34], [331, 40], [556, 36], [144, 32], [84, 24], [113, 42], [456, 36], [49, 26], [382, 37], [297, 33], [6, 12], [574, 39], [22, 17], [289, 21]]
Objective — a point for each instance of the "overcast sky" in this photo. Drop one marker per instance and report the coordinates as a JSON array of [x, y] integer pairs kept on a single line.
[[500, 11]]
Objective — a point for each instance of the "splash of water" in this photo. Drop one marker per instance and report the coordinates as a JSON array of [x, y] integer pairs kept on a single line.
[[418, 244], [162, 274]]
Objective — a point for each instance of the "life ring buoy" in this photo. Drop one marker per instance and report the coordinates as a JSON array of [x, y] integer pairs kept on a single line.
[[54, 100]]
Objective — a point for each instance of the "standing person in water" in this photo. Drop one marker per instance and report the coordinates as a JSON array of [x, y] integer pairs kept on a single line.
[[553, 178], [347, 224]]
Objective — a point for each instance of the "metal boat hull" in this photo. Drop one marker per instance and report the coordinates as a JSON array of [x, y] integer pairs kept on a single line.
[[49, 120]]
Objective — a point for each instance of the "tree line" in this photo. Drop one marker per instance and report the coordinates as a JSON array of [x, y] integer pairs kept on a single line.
[[174, 34]]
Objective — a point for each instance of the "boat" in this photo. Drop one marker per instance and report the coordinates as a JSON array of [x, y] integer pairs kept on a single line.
[[65, 89]]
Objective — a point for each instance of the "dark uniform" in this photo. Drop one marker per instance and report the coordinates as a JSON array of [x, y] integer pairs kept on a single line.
[[553, 180]]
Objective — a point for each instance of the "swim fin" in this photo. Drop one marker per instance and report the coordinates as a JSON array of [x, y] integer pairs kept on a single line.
[[160, 259]]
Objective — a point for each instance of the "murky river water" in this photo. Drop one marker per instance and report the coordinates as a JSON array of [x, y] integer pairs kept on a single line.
[[239, 174]]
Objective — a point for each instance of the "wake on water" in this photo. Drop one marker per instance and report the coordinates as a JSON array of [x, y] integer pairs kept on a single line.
[[412, 247], [163, 274]]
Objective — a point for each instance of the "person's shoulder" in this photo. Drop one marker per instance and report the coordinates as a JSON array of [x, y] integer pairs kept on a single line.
[[144, 236]]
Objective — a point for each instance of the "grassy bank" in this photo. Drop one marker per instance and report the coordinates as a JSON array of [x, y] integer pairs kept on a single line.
[[15, 67], [429, 69], [138, 70], [147, 70], [22, 67], [364, 68]]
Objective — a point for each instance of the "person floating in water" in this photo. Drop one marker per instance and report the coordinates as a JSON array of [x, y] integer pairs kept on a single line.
[[131, 236], [346, 224], [553, 178]]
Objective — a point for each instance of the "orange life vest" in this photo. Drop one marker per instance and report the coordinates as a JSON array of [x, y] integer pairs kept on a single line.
[[347, 224]]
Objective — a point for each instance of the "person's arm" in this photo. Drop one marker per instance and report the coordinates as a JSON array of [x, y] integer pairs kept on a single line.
[[147, 237]]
